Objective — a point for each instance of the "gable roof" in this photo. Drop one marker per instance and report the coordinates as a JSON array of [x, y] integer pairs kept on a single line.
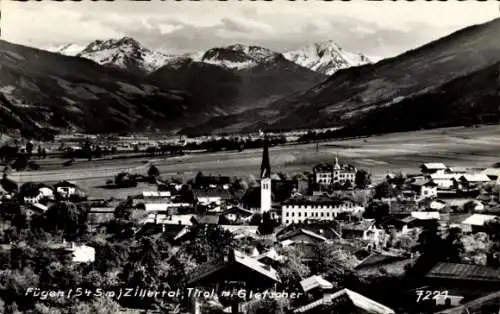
[[474, 305], [425, 215], [357, 300], [295, 232], [270, 254], [314, 282], [478, 219], [240, 258], [464, 272], [476, 177], [434, 166], [377, 259]]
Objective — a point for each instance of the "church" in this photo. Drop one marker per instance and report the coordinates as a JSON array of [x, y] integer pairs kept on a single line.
[[261, 198], [265, 182]]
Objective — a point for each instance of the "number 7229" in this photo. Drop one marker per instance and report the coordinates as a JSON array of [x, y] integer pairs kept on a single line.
[[423, 295]]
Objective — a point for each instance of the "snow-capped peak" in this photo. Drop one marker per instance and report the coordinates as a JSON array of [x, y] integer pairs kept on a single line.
[[68, 49], [326, 57], [238, 56], [126, 53]]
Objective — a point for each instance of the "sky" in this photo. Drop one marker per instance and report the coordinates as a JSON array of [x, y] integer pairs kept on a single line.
[[377, 29]]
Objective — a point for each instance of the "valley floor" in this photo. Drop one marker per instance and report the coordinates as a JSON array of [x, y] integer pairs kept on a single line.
[[467, 147]]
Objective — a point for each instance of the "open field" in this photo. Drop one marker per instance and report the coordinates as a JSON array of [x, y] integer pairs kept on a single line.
[[467, 147]]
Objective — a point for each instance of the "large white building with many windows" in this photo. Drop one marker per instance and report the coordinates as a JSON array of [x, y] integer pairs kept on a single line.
[[302, 209], [328, 174]]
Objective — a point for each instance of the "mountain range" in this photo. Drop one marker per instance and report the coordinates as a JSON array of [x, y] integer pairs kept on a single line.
[[121, 85], [440, 70], [127, 53]]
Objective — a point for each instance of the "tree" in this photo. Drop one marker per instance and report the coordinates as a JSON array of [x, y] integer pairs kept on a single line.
[[125, 180], [347, 185], [377, 210], [453, 246], [208, 242], [153, 172], [267, 225], [68, 218], [384, 190], [29, 149], [292, 270], [362, 179], [469, 206]]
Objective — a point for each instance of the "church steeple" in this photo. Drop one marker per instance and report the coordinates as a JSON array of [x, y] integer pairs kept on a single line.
[[265, 167]]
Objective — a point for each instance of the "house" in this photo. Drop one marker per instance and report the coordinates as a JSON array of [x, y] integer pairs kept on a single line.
[[236, 214], [203, 182], [156, 194], [174, 219], [346, 301], [212, 197], [69, 189], [364, 230], [302, 236], [78, 253], [395, 223], [241, 231], [489, 303], [235, 271], [270, 257], [444, 181], [463, 280], [99, 216], [493, 174], [424, 188], [432, 204], [328, 174], [427, 215], [208, 219], [469, 182], [430, 168], [476, 222], [313, 208], [315, 287], [456, 170], [376, 263]]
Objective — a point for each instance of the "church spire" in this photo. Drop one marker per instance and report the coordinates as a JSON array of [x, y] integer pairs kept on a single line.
[[265, 167]]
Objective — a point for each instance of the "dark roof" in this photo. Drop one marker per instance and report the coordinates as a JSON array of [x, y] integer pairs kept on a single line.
[[265, 167], [65, 183], [316, 200], [358, 225], [377, 259], [224, 194], [464, 272], [238, 210], [295, 232], [208, 219]]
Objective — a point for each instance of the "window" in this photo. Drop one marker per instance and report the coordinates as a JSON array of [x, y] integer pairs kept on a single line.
[[287, 214], [287, 222], [293, 214], [300, 214], [322, 214]]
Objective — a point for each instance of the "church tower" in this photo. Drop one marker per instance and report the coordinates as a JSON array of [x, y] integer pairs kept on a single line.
[[265, 180]]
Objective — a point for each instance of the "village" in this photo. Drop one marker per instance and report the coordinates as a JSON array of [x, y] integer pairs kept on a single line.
[[326, 241]]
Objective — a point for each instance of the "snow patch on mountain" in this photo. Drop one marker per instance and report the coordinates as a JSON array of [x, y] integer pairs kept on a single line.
[[238, 57], [67, 49], [326, 57]]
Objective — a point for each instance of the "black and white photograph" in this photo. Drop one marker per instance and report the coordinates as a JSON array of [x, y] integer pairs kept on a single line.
[[250, 157]]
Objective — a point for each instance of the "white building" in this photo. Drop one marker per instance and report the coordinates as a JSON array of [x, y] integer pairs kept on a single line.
[[299, 209], [433, 167], [444, 181], [328, 174], [265, 182]]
